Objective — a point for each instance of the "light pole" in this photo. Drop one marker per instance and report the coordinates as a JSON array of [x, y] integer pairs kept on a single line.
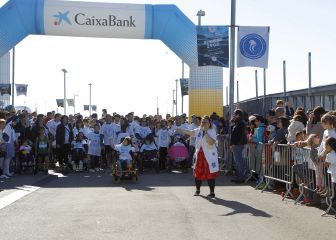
[[173, 102], [64, 99], [232, 55], [90, 85], [13, 75], [176, 96], [75, 104], [200, 14]]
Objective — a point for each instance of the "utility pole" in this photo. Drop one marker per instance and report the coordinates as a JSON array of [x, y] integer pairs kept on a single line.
[[90, 106], [64, 98], [232, 54]]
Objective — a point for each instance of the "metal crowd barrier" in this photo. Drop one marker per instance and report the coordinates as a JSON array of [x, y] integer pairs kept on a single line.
[[224, 154], [330, 195], [277, 165], [304, 171], [254, 162]]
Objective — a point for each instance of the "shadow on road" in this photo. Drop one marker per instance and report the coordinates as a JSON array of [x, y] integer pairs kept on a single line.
[[238, 208]]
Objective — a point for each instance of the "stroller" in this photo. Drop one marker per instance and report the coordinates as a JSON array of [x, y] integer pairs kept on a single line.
[[178, 155]]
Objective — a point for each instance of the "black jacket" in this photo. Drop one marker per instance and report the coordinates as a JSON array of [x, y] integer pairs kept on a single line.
[[60, 134], [239, 134]]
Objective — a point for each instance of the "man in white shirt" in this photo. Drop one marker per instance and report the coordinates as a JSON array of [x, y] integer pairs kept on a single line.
[[178, 124], [108, 131], [52, 125], [134, 125]]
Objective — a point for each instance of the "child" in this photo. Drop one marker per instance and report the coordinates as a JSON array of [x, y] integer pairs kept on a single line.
[[163, 143], [125, 149], [330, 148], [79, 146], [27, 160], [95, 142], [328, 123], [313, 143], [148, 150], [42, 150], [259, 139]]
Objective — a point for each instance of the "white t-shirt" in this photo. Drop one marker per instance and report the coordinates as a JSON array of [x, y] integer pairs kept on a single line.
[[192, 139], [210, 151], [78, 144], [144, 131], [163, 138], [328, 133], [52, 126], [117, 130], [124, 151], [76, 131], [174, 127], [148, 147], [87, 131], [109, 133], [10, 132], [122, 135], [134, 125], [94, 144], [331, 159]]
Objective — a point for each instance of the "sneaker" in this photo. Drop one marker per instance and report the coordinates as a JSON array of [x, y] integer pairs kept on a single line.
[[197, 193], [3, 176], [92, 170], [211, 196], [96, 169], [10, 174]]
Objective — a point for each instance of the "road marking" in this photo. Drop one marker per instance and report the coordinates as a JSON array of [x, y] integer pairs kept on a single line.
[[18, 194]]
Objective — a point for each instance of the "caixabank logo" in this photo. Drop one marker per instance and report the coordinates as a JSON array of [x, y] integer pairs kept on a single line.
[[60, 17], [83, 19]]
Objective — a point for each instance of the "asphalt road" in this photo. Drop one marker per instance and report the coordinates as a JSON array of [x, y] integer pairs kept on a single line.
[[159, 206]]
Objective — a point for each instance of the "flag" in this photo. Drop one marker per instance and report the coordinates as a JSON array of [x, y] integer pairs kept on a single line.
[[252, 47], [5, 89], [184, 86], [213, 45], [60, 102], [71, 102], [86, 107], [94, 108], [21, 89]]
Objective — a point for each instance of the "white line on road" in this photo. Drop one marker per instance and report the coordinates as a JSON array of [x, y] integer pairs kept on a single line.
[[18, 194]]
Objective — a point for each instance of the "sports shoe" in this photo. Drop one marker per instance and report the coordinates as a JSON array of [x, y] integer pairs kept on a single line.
[[211, 196], [197, 193], [97, 169], [92, 170], [3, 176]]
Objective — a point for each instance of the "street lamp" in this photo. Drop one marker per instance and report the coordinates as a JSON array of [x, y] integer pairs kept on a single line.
[[200, 14], [64, 99], [75, 104], [90, 85], [176, 96]]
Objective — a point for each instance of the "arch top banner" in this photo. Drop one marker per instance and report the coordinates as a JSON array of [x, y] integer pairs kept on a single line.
[[87, 19]]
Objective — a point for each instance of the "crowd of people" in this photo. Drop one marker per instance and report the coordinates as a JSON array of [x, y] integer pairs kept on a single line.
[[32, 142], [314, 129], [37, 142]]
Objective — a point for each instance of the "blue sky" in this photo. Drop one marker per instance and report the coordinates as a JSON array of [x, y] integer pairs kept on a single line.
[[128, 75]]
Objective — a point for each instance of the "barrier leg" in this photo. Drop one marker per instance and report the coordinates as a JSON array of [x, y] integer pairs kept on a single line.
[[301, 189], [267, 184], [260, 182], [288, 191]]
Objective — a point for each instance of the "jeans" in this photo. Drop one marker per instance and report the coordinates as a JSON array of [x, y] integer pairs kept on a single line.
[[240, 163]]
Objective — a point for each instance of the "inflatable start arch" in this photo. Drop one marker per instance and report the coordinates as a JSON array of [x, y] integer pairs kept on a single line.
[[20, 18]]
